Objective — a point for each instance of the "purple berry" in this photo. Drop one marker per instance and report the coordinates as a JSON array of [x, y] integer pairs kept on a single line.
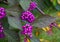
[[25, 39], [52, 24], [33, 5], [31, 18], [25, 15], [28, 16], [27, 30], [2, 35], [2, 12]]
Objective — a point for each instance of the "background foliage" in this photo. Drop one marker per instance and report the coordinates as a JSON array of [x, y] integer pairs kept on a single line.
[[12, 22]]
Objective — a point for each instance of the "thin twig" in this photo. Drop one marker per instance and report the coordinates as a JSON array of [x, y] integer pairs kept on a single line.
[[40, 10]]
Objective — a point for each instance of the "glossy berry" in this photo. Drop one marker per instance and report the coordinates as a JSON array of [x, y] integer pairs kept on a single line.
[[33, 5], [2, 12], [25, 39], [31, 18], [53, 24], [27, 30], [28, 16]]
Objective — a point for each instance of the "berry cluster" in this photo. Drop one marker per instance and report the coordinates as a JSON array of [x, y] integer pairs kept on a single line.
[[27, 30], [1, 31], [33, 5], [52, 24], [2, 15], [2, 12], [27, 15], [1, 28]]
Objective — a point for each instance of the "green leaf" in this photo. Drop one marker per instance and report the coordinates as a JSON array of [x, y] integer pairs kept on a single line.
[[14, 22], [3, 40], [13, 11], [4, 5], [43, 21], [33, 39], [11, 35], [21, 36], [5, 23], [57, 7], [12, 2], [24, 4], [36, 13], [55, 2]]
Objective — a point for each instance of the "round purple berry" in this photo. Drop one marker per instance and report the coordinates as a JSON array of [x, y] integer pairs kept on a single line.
[[52, 24], [25, 15], [31, 18], [27, 30], [28, 16], [25, 39], [2, 35], [33, 5], [2, 12]]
